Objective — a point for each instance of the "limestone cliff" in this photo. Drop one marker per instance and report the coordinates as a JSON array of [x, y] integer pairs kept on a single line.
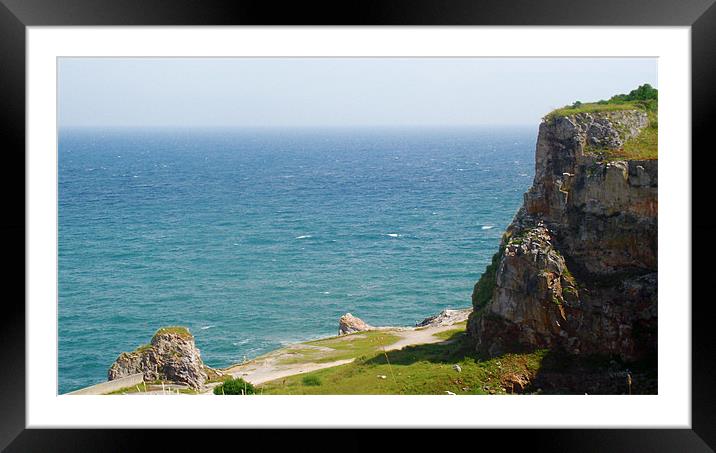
[[577, 268]]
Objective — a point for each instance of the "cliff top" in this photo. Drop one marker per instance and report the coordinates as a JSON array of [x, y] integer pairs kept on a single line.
[[176, 330], [643, 146], [645, 97]]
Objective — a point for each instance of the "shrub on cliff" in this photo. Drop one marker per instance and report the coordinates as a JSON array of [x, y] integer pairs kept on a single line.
[[482, 293], [235, 387], [642, 93], [644, 97]]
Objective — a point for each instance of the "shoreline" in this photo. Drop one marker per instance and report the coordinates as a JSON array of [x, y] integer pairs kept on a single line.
[[307, 356]]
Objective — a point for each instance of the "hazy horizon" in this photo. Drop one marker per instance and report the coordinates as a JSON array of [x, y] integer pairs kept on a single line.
[[288, 93]]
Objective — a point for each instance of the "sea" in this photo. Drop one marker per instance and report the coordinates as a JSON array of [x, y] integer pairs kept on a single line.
[[259, 238]]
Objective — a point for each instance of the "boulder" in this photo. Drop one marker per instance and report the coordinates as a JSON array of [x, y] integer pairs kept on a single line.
[[349, 324], [171, 356], [446, 317]]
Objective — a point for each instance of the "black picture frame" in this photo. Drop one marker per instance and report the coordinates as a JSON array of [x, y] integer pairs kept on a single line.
[[16, 15]]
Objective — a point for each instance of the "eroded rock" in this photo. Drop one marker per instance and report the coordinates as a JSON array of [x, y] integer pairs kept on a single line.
[[171, 356], [350, 324]]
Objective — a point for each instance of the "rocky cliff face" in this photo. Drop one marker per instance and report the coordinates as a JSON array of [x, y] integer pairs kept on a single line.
[[171, 356], [577, 268]]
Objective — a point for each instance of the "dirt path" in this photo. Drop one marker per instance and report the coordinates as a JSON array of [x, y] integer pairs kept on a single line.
[[269, 370], [269, 367], [415, 337]]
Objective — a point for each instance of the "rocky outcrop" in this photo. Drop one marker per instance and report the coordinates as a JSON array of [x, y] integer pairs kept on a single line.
[[350, 324], [577, 268], [171, 356], [446, 317]]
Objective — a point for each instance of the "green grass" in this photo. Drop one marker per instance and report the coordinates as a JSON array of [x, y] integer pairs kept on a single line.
[[593, 107], [149, 386], [453, 334], [644, 97], [177, 330], [343, 347], [143, 348], [133, 389], [642, 147], [311, 380], [418, 370]]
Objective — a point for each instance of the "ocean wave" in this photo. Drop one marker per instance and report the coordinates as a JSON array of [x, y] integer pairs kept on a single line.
[[206, 327], [488, 227], [242, 342], [393, 235], [305, 236]]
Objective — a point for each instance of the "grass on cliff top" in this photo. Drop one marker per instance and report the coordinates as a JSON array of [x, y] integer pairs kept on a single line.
[[593, 107], [177, 330], [645, 97], [417, 370], [143, 348], [642, 147], [342, 347]]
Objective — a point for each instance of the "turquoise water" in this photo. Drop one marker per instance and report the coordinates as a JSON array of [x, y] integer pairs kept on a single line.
[[258, 238]]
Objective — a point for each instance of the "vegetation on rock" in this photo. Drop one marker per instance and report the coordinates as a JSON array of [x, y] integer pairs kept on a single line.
[[643, 146], [482, 293], [645, 97], [176, 330], [171, 356]]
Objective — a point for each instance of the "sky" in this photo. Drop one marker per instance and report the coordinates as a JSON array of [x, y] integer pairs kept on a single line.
[[334, 92]]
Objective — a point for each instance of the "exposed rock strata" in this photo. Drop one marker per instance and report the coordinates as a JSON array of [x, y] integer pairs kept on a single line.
[[171, 356], [577, 268]]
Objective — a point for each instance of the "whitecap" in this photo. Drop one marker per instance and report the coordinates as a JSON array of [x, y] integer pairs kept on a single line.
[[207, 327], [488, 227], [305, 236], [326, 292], [242, 342], [393, 235]]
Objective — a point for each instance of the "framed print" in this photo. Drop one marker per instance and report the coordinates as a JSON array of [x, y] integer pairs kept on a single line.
[[245, 217]]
